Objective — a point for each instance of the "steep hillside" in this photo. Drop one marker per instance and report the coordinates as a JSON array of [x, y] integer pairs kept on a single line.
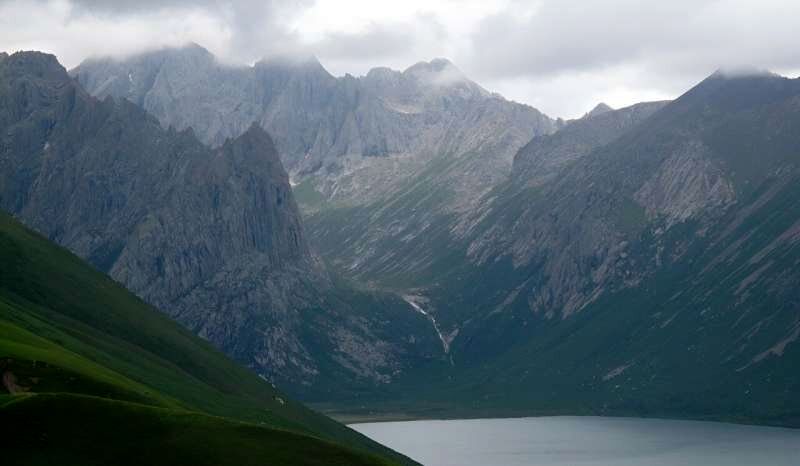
[[543, 158], [76, 345], [653, 275], [693, 160], [211, 237]]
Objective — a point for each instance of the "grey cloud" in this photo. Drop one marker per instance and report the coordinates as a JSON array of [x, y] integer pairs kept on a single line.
[[241, 8], [561, 56], [114, 7], [673, 37], [383, 41], [377, 42], [256, 27]]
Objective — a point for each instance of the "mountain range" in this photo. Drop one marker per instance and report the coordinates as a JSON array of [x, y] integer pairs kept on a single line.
[[392, 162], [450, 252], [637, 262]]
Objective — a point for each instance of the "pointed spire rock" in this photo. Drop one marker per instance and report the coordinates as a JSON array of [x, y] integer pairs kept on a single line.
[[599, 109]]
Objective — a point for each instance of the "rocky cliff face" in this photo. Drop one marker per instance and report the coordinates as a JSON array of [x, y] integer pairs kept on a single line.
[[316, 117], [405, 156], [212, 237]]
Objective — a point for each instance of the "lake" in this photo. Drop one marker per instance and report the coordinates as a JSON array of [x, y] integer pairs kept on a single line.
[[587, 441]]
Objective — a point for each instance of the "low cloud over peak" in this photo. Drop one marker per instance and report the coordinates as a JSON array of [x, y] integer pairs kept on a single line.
[[562, 56]]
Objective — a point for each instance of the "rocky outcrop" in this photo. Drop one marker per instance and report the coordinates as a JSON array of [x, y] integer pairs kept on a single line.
[[598, 109], [686, 184]]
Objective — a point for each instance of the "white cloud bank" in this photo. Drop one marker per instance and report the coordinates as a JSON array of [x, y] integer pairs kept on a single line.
[[561, 56]]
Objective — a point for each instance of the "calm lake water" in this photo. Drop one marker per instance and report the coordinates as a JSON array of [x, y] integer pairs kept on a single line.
[[585, 441]]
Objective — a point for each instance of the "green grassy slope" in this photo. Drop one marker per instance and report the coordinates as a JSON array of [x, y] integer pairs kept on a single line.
[[65, 328], [43, 429]]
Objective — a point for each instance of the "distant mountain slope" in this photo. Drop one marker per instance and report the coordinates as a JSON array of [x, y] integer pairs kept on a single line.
[[74, 345], [544, 157], [686, 162], [314, 116], [652, 274], [402, 155], [211, 237]]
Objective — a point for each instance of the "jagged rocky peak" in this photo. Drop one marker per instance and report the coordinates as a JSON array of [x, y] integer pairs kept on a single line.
[[147, 74], [40, 79], [746, 76], [35, 64], [599, 109], [436, 65], [742, 71], [383, 75], [308, 64], [437, 71], [256, 146], [191, 54], [544, 157], [188, 51], [194, 47], [724, 93], [441, 77], [255, 134]]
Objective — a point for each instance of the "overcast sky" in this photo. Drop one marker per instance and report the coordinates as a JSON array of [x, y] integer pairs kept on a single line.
[[561, 56]]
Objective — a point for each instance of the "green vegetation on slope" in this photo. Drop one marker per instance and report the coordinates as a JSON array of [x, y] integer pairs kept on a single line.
[[43, 430], [65, 328]]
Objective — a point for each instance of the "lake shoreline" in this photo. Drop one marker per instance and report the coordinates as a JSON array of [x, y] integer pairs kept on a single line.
[[352, 417], [400, 419]]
